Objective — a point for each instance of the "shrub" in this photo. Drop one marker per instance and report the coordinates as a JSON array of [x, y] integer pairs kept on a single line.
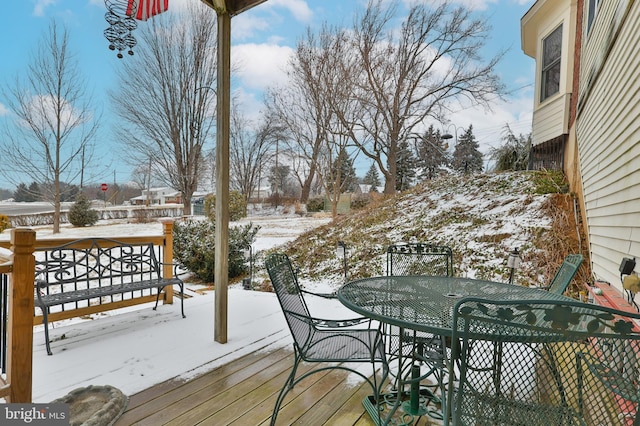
[[550, 182], [194, 247], [315, 204], [360, 201], [4, 222], [81, 213], [142, 215], [237, 206]]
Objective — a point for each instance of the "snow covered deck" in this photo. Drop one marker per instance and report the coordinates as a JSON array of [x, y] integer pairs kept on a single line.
[[175, 373]]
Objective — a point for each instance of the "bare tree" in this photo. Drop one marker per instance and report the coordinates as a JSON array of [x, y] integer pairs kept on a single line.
[[167, 94], [51, 138], [295, 107], [249, 148], [402, 78], [304, 108]]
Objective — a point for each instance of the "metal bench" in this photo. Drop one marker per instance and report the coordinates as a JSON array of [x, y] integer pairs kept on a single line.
[[98, 271]]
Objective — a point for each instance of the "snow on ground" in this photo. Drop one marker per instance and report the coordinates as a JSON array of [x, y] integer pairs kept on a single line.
[[134, 348]]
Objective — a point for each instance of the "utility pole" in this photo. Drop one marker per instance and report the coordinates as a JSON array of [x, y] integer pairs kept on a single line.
[[148, 182], [277, 176], [82, 169]]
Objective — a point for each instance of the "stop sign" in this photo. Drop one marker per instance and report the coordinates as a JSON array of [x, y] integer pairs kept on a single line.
[[104, 187]]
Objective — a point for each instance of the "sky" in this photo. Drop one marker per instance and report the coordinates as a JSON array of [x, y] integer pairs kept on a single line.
[[263, 39]]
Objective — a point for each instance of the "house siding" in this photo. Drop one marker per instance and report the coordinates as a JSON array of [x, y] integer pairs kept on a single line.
[[552, 119], [551, 115], [608, 136]]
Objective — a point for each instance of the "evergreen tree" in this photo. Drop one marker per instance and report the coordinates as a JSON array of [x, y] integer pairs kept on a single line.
[[466, 156], [372, 178], [431, 152], [81, 213], [278, 178], [406, 164], [21, 193], [35, 192], [27, 194], [348, 179]]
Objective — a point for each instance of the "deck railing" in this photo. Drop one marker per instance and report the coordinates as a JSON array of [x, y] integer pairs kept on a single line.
[[17, 315], [18, 273]]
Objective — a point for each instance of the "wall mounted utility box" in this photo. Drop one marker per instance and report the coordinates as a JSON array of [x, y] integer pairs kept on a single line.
[[627, 266]]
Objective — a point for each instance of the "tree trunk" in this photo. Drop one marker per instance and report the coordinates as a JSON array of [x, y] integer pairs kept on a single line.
[[186, 205], [306, 186]]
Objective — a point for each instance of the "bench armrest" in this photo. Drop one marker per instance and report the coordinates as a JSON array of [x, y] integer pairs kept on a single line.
[[178, 268]]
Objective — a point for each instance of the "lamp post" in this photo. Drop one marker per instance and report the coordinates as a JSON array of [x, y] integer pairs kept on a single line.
[[446, 137], [513, 262], [455, 132], [341, 251], [248, 255]]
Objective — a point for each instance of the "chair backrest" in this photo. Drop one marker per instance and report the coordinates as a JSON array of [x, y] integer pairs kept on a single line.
[[286, 287], [419, 259], [519, 362], [565, 273]]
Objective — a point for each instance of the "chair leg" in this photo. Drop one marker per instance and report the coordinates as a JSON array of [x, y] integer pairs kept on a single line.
[[286, 387]]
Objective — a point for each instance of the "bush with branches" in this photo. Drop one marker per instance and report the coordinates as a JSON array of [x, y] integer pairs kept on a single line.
[[4, 222], [513, 154], [237, 206], [194, 247]]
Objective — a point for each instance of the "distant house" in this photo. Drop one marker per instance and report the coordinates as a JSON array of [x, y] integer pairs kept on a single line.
[[157, 196], [165, 195], [587, 115]]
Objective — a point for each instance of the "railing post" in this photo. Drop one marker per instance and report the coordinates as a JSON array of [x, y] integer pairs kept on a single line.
[[20, 327], [167, 257]]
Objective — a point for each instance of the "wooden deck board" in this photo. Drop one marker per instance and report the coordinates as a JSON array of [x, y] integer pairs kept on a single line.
[[180, 393], [243, 392]]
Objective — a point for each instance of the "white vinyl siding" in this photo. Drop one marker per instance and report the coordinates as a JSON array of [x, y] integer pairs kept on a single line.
[[608, 134], [552, 120]]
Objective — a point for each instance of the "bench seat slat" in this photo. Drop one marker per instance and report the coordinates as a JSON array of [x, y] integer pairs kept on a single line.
[[54, 299]]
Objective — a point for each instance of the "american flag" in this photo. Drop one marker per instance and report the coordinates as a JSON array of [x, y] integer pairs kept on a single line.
[[145, 9]]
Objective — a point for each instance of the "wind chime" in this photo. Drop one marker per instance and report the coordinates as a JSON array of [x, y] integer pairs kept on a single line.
[[122, 16]]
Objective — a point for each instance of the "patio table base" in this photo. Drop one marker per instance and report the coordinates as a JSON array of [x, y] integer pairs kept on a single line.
[[429, 405]]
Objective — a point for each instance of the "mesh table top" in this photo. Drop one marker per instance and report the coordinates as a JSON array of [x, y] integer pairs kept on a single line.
[[425, 303]]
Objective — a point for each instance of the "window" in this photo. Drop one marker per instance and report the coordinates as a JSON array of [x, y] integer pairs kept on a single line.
[[551, 53], [591, 13]]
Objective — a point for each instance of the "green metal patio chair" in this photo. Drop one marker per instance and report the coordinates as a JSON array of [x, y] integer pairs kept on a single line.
[[543, 362], [418, 259], [565, 274], [318, 340]]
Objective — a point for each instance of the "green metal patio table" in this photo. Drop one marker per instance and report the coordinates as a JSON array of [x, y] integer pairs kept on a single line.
[[424, 304]]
